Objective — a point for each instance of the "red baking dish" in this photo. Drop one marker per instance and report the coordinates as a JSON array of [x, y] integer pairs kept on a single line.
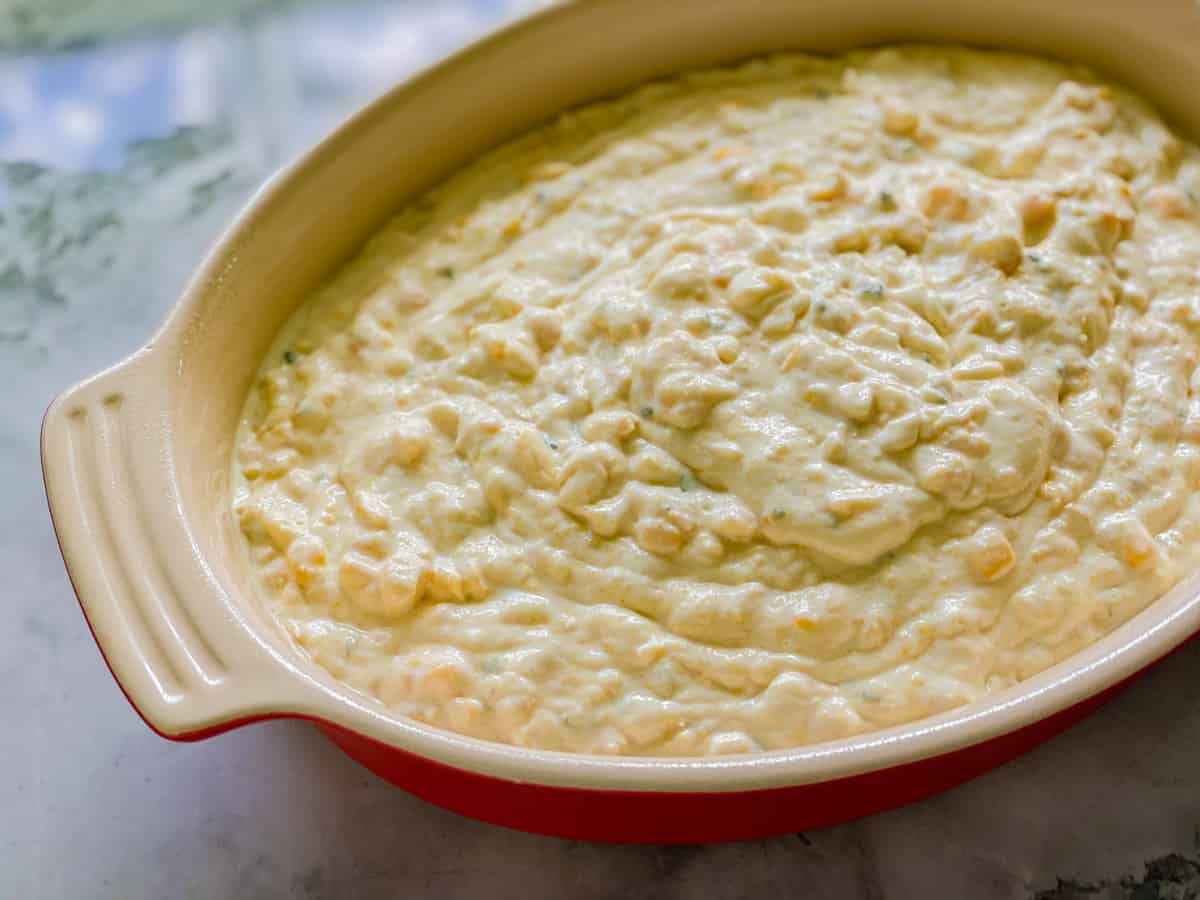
[[136, 458]]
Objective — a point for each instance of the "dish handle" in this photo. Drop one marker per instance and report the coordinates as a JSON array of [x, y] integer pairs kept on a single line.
[[180, 651]]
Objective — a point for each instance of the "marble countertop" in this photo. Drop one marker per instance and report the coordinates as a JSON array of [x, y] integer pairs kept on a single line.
[[119, 161]]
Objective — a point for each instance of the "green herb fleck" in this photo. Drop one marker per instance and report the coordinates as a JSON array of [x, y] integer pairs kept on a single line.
[[887, 202], [550, 442], [686, 482], [778, 513], [875, 289], [446, 272], [647, 412], [290, 356]]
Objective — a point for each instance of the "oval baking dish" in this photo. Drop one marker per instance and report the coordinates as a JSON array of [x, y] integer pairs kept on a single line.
[[136, 459]]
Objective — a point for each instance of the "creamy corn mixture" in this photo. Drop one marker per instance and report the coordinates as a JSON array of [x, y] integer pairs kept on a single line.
[[761, 407]]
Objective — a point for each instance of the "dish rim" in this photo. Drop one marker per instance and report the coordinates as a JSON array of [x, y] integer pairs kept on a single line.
[[1160, 628]]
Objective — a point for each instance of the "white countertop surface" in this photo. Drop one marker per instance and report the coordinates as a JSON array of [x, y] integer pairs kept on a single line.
[[94, 242]]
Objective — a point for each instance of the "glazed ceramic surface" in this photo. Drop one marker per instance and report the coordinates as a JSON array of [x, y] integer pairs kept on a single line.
[[135, 459]]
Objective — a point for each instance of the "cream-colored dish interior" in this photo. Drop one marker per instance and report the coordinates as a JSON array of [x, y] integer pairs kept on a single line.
[[761, 407], [323, 210]]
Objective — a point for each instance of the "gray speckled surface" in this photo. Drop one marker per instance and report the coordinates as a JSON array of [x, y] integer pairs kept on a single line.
[[142, 151]]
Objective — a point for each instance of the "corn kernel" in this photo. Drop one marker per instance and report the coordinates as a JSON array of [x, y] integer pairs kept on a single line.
[[991, 557]]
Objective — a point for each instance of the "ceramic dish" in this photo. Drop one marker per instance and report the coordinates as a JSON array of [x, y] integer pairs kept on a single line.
[[136, 459]]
